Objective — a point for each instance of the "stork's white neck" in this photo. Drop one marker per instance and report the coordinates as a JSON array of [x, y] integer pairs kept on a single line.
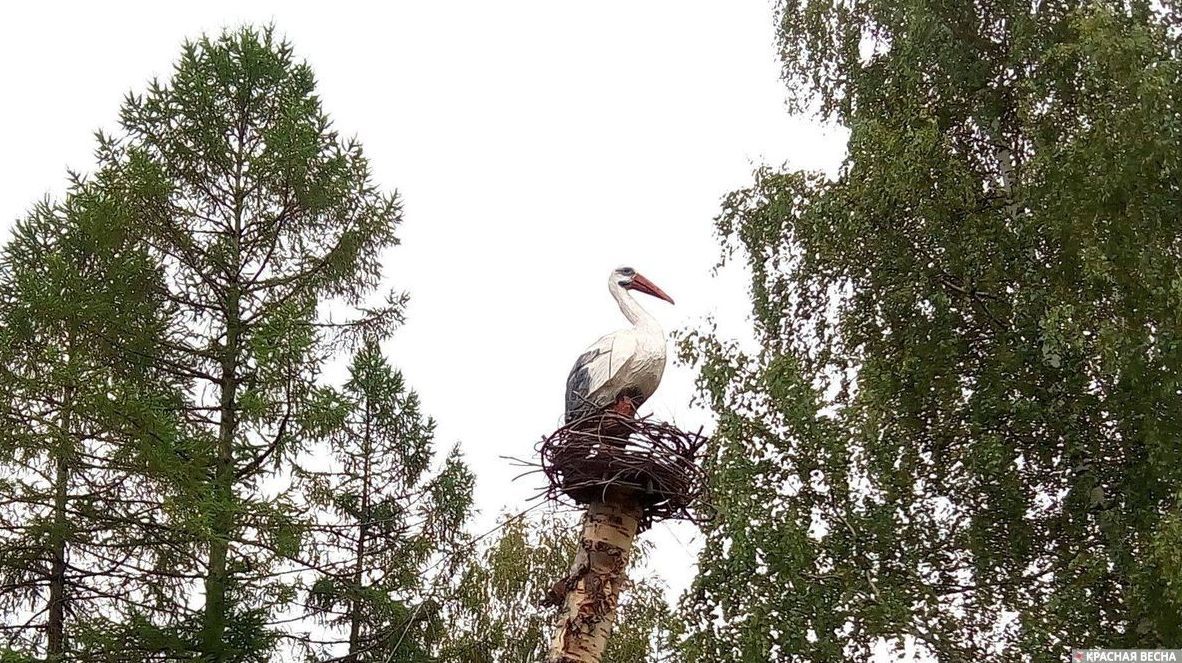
[[631, 308]]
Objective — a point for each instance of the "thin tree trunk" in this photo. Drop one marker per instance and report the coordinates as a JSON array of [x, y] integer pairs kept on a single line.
[[589, 610], [355, 606], [56, 625], [362, 533], [217, 574]]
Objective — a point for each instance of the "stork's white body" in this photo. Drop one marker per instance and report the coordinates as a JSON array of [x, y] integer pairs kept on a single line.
[[629, 362]]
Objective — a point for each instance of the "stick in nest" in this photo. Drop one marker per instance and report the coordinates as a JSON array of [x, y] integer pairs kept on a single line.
[[656, 461]]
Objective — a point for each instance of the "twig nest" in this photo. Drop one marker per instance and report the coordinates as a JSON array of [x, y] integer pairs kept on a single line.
[[655, 462]]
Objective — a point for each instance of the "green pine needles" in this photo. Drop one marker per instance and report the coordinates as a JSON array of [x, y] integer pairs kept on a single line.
[[258, 214], [164, 329], [386, 519]]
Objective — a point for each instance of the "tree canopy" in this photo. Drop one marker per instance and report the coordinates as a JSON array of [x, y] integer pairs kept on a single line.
[[258, 213], [958, 431], [961, 428], [164, 331], [386, 517], [86, 411]]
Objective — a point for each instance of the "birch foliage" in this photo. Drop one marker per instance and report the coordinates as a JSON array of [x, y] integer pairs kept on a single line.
[[961, 429]]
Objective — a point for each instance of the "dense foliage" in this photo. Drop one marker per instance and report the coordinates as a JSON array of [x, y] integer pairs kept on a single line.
[[84, 414], [258, 212], [961, 429], [162, 334]]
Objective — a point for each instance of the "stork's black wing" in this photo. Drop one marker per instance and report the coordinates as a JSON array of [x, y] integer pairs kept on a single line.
[[591, 370]]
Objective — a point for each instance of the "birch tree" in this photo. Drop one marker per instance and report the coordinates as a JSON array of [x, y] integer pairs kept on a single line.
[[960, 430]]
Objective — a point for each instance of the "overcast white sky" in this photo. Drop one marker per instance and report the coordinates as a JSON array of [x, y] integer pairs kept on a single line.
[[537, 145]]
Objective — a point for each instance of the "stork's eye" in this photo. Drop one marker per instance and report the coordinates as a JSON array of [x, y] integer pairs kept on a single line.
[[626, 271]]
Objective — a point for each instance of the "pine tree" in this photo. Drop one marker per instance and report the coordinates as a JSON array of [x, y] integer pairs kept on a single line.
[[386, 516], [82, 420], [261, 216], [499, 612], [961, 429]]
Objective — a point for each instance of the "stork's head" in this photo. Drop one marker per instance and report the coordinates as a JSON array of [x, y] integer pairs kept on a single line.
[[629, 279]]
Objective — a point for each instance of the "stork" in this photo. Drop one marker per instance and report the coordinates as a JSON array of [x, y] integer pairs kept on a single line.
[[621, 370]]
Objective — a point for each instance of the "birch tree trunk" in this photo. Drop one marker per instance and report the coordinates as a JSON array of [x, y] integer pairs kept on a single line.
[[589, 610]]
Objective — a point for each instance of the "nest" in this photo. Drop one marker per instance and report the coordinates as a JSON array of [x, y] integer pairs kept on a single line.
[[655, 462]]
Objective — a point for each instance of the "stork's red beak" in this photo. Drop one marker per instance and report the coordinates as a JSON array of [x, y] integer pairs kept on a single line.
[[649, 288]]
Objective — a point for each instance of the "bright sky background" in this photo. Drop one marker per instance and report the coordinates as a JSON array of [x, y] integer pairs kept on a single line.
[[537, 145]]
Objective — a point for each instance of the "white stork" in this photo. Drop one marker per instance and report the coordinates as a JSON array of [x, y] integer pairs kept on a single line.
[[621, 370]]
